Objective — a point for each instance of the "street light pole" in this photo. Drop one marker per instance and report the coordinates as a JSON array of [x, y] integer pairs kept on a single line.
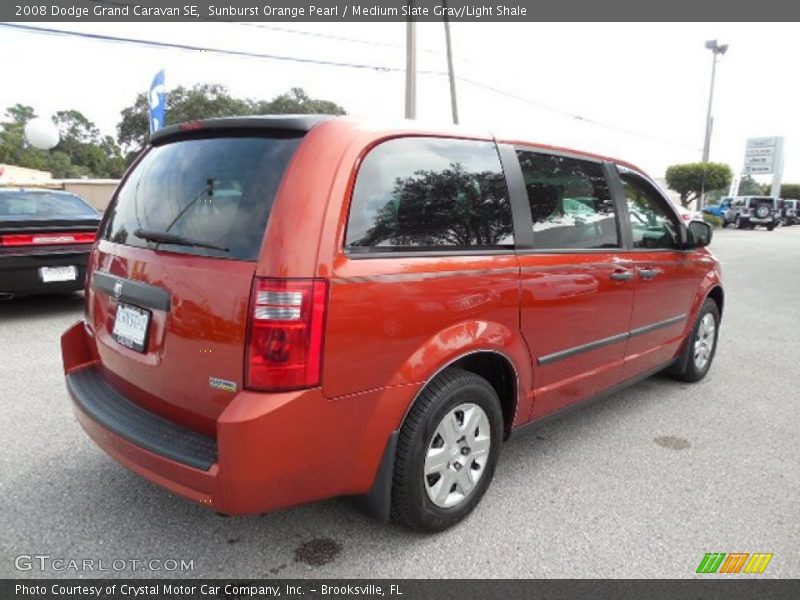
[[411, 66], [716, 50], [450, 71]]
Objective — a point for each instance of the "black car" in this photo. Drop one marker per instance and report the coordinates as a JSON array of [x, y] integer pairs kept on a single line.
[[45, 238]]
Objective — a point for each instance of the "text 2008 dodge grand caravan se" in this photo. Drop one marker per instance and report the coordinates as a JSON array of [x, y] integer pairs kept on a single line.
[[285, 309]]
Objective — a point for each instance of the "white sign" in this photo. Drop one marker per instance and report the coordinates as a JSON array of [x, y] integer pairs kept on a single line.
[[762, 141], [758, 160], [763, 155], [757, 169], [760, 151]]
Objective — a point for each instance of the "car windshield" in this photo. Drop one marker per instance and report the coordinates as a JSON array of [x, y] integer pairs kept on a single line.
[[42, 205]]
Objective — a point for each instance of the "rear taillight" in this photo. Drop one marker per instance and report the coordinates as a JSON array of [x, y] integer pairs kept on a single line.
[[46, 239], [287, 326]]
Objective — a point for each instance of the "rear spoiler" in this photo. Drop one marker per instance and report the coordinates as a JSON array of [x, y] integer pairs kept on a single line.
[[288, 123]]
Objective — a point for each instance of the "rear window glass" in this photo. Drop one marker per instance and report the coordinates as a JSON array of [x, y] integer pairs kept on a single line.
[[26, 205], [215, 194], [430, 193]]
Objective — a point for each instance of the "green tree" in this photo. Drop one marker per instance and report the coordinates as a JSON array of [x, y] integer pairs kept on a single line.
[[296, 101], [750, 187], [790, 190], [210, 100], [15, 150], [691, 180], [80, 151]]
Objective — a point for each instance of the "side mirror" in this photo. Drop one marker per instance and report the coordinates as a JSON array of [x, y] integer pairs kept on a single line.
[[699, 234]]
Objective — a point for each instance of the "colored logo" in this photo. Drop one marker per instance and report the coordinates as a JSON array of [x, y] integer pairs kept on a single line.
[[735, 562]]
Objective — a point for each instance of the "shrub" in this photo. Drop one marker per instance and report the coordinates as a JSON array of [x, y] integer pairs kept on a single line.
[[714, 221]]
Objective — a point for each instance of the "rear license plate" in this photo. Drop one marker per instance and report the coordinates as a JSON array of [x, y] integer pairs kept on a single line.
[[131, 326], [51, 274]]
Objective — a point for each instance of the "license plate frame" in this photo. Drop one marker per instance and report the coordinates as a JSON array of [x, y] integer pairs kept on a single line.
[[58, 274], [132, 327]]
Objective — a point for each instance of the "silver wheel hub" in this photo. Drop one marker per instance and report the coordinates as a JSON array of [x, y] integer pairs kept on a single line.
[[457, 454], [704, 341]]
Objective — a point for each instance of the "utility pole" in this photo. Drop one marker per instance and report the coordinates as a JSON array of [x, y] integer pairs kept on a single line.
[[411, 65], [450, 71], [716, 50]]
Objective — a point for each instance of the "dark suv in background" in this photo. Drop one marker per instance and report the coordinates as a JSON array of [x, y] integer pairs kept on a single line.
[[789, 211]]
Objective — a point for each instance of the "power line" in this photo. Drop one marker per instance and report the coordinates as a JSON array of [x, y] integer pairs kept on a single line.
[[192, 48], [573, 116], [330, 63]]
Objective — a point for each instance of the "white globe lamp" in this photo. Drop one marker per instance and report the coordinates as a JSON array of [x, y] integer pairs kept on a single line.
[[41, 133]]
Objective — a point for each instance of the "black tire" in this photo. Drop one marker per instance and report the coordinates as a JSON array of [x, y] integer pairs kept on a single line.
[[771, 226], [738, 222], [411, 505], [685, 368]]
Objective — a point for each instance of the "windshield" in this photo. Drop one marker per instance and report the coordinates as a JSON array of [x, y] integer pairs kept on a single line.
[[24, 205], [215, 192]]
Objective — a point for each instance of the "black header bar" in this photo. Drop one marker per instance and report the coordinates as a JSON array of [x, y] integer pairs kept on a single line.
[[333, 11]]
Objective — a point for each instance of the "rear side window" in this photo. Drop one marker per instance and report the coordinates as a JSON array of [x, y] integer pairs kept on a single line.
[[570, 202], [429, 193], [216, 191], [43, 205]]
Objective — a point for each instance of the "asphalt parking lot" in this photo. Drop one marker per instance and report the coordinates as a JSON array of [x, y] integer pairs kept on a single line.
[[642, 484]]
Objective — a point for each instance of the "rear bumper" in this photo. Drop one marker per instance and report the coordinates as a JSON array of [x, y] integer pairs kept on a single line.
[[19, 273], [271, 450]]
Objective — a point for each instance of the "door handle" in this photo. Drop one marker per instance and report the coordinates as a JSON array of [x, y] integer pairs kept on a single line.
[[622, 275], [648, 273]]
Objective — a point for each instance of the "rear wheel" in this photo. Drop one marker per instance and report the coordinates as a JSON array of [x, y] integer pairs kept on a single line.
[[701, 345], [738, 223], [771, 226], [447, 451]]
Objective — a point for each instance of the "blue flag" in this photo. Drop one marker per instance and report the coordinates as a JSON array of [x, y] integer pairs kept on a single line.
[[158, 102]]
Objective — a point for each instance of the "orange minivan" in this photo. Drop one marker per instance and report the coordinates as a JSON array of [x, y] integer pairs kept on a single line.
[[284, 309]]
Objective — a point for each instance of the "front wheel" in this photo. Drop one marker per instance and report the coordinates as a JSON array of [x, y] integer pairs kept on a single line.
[[701, 345], [447, 451]]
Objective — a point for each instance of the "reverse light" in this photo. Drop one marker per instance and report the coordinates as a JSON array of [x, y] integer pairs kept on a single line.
[[46, 239], [286, 331]]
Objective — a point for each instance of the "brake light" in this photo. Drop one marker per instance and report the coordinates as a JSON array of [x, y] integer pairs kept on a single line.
[[191, 126], [46, 239], [285, 339]]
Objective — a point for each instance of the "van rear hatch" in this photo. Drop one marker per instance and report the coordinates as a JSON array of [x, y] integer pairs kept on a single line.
[[173, 270]]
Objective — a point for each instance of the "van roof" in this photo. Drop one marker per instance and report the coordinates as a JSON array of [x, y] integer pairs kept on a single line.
[[304, 124]]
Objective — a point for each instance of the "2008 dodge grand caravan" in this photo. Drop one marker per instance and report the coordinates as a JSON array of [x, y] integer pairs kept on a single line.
[[285, 309]]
